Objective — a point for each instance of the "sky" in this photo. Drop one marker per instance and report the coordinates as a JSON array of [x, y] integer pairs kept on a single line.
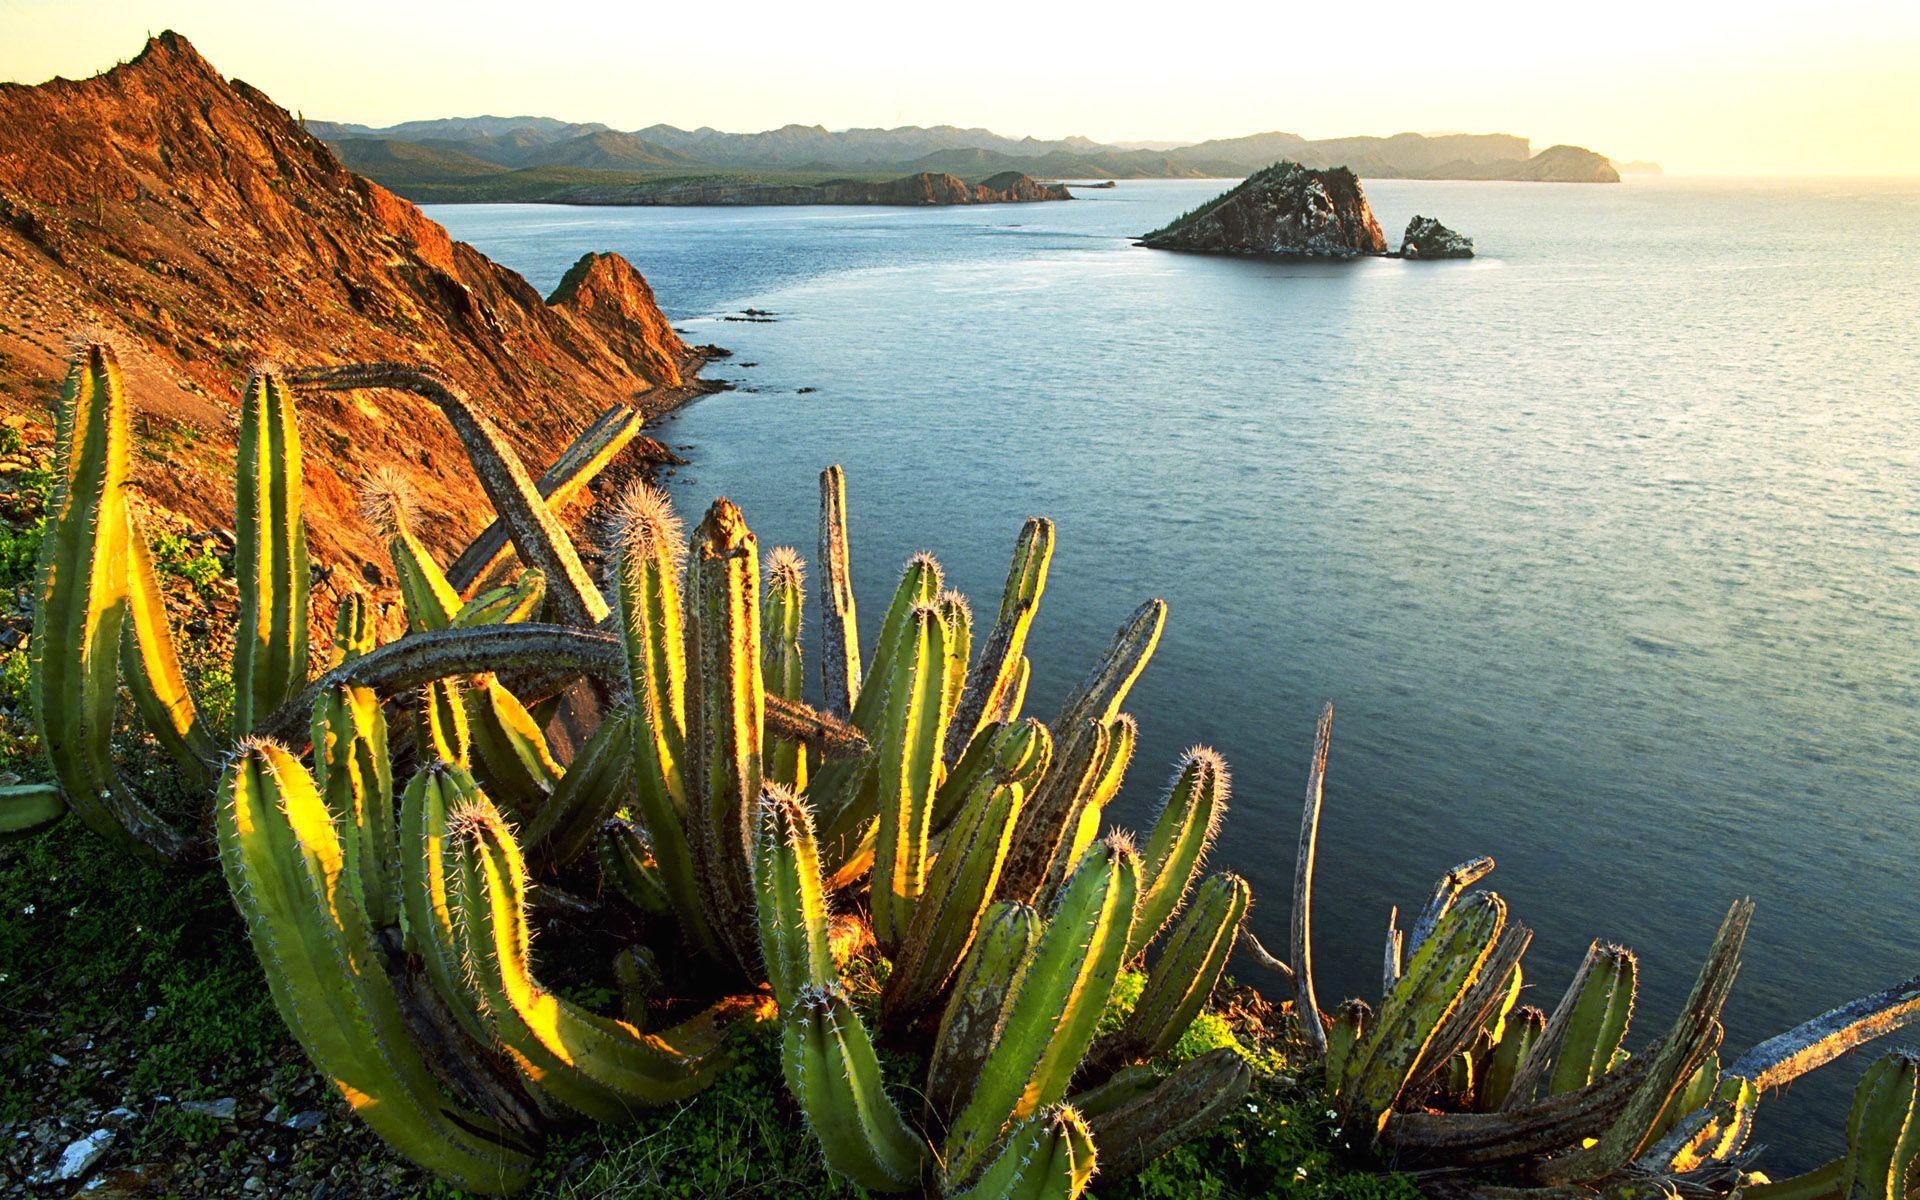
[[1755, 87]]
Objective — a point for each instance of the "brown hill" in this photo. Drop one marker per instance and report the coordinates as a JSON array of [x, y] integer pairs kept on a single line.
[[196, 224]]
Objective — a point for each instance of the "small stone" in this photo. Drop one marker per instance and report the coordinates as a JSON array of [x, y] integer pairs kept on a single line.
[[117, 1117], [82, 1156], [58, 1060], [254, 1184], [305, 1122], [275, 1115], [220, 1110]]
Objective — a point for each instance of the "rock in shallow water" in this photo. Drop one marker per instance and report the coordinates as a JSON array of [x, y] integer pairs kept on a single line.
[[1428, 238], [1284, 210]]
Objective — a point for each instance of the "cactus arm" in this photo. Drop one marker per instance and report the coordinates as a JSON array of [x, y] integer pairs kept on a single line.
[[1048, 818], [506, 604], [1523, 1030], [991, 685], [1348, 1026], [1268, 961], [839, 624], [1100, 695], [536, 532], [908, 741], [782, 665], [1466, 1139], [1051, 1017], [596, 782], [442, 731], [957, 615], [80, 611], [355, 775], [1403, 1039], [1695, 1035], [1305, 1007], [1883, 1132], [1185, 973], [1598, 1021], [830, 1066], [428, 801], [353, 633], [1480, 1005], [789, 897], [1787, 1056], [1188, 821], [28, 808], [1048, 1157], [282, 862], [726, 709], [989, 977], [627, 865], [583, 459], [959, 887], [151, 666], [1451, 887], [1195, 1097], [1090, 803], [269, 556], [1535, 1065], [512, 754], [1393, 954], [1821, 1183], [598, 1066], [417, 658]]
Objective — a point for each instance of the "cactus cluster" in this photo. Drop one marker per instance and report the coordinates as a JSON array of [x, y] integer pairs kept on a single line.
[[393, 830]]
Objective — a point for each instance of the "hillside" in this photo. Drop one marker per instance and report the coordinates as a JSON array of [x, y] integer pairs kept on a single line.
[[196, 224]]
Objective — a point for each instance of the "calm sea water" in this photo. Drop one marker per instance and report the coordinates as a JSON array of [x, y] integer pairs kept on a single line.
[[1604, 544]]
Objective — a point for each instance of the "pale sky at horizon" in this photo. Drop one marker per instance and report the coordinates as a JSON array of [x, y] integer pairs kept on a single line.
[[1765, 87]]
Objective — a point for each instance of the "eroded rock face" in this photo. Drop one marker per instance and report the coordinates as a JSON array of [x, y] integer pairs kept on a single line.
[[1284, 210], [1428, 238], [198, 226]]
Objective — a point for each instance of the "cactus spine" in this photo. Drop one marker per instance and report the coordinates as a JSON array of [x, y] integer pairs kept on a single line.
[[1049, 1157], [598, 1066], [1188, 821], [270, 555], [283, 863], [1051, 1017]]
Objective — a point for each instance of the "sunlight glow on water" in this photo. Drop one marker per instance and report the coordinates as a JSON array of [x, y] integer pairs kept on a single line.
[[1604, 543]]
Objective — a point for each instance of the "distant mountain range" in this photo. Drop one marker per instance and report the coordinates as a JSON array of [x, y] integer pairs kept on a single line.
[[533, 158]]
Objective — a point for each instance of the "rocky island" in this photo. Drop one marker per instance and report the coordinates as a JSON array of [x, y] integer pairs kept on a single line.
[[1428, 238], [1290, 211]]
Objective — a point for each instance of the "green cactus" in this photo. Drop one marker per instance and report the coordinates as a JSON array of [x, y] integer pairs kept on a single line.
[[839, 623], [831, 1068], [442, 731], [151, 667], [503, 605], [353, 632], [81, 608], [961, 883], [1089, 806], [354, 772], [1049, 818], [1185, 973], [1883, 1132], [283, 863], [628, 865], [1599, 1020], [908, 743], [1051, 1016], [1520, 1035], [785, 673], [994, 689], [1012, 749], [1396, 1049], [1195, 1097], [29, 808], [1047, 1157], [1188, 821], [989, 978], [427, 804], [597, 780], [510, 752], [269, 556], [597, 1066], [790, 897], [1349, 1026]]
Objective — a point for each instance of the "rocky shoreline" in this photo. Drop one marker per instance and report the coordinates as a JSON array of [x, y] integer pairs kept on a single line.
[[1291, 211]]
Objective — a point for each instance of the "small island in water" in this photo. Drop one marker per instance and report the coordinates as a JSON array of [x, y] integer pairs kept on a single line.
[[1290, 211]]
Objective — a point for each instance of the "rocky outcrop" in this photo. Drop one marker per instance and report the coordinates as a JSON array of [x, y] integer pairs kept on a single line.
[[196, 224], [1284, 210], [1428, 238]]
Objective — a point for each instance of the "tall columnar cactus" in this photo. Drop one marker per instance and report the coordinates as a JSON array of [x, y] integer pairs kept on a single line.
[[832, 1070], [1047, 1157], [840, 663], [1188, 821], [598, 1066], [790, 897], [1521, 1034], [989, 979], [151, 666], [784, 669], [1183, 978], [1597, 1024], [995, 687], [270, 555], [351, 763], [1050, 1018], [908, 742], [283, 861]]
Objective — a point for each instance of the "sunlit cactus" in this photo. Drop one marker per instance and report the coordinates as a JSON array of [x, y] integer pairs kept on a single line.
[[1603, 1005], [833, 1072], [1048, 1157], [1183, 977], [783, 664], [1188, 822], [354, 770], [270, 555]]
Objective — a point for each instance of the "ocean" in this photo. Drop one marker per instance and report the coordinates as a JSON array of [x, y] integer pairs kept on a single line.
[[1604, 544]]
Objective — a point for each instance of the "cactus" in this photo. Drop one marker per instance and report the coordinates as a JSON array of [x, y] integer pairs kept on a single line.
[[151, 666], [995, 686], [1049, 817], [627, 864], [1196, 1096], [596, 781], [1188, 968], [1883, 1132], [270, 555], [510, 751], [1050, 1018], [1089, 805], [81, 607], [1189, 818], [283, 863], [503, 605], [355, 776], [784, 671], [430, 601], [908, 741], [29, 808], [839, 623], [1350, 1022], [442, 731], [831, 1068], [595, 1065], [1601, 1011], [989, 978], [790, 897], [431, 797], [1047, 1157], [1522, 1032]]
